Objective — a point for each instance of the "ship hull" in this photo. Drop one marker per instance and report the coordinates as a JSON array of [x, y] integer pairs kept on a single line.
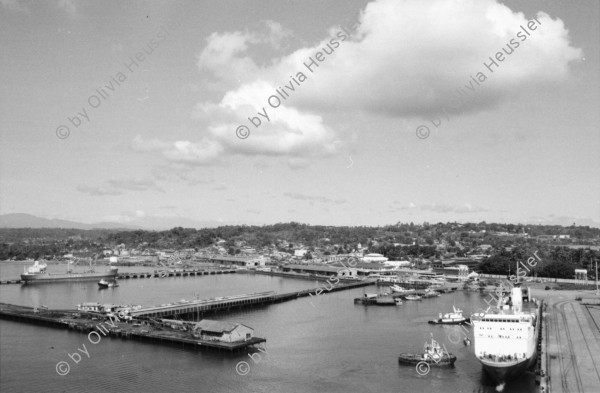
[[411, 359], [51, 278], [448, 322], [503, 373]]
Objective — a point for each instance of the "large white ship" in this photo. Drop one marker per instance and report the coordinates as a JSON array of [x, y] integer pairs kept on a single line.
[[506, 338]]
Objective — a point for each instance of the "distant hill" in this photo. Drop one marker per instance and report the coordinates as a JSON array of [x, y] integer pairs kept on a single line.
[[23, 220]]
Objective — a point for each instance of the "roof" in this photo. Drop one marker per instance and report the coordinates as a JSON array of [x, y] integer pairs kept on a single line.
[[322, 269], [217, 326], [235, 259]]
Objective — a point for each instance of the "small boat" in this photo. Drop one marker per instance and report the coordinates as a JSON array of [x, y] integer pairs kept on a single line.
[[452, 318], [385, 301], [375, 299], [430, 293], [398, 301], [433, 355], [107, 284], [413, 297], [398, 289]]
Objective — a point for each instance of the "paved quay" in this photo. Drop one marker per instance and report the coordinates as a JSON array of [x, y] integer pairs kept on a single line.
[[572, 345]]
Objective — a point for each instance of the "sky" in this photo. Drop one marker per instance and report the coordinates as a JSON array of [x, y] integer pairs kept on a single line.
[[330, 112]]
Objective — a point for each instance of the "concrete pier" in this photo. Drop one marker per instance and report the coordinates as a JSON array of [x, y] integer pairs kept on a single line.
[[101, 326], [571, 362]]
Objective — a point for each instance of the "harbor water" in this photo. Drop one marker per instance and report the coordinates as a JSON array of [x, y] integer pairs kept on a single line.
[[321, 343]]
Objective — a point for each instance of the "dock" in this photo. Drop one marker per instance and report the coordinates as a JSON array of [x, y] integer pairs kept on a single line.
[[96, 327], [201, 307], [155, 274], [570, 361], [150, 328]]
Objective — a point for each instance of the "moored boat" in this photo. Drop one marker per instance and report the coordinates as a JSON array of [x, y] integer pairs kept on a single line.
[[398, 289], [452, 318], [430, 293], [107, 284], [38, 274], [506, 338], [375, 299], [413, 297], [433, 354]]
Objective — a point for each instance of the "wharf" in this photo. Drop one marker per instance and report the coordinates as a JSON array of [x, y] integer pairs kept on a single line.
[[93, 325], [178, 273], [304, 276], [154, 331], [155, 274], [572, 345], [200, 307]]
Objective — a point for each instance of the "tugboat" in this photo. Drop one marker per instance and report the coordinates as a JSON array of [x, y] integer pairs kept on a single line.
[[452, 318], [433, 355], [107, 284]]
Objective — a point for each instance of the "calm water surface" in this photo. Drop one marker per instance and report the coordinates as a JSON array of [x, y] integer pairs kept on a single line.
[[318, 344]]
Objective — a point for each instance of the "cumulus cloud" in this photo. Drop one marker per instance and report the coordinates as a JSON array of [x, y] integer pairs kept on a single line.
[[401, 59], [408, 58]]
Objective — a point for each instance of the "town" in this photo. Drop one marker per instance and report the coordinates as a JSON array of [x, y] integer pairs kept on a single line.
[[451, 249]]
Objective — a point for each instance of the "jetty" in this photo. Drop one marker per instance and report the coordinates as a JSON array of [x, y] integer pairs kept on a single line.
[[97, 326], [149, 324], [226, 303]]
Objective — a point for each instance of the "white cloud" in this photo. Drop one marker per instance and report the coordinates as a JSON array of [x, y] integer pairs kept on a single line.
[[410, 57], [405, 60]]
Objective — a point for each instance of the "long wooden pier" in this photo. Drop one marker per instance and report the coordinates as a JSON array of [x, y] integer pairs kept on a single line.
[[200, 307]]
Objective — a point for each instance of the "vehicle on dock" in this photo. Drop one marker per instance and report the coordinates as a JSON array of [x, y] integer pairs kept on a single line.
[[433, 355], [452, 318]]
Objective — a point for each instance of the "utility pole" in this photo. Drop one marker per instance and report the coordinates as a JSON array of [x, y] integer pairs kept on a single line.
[[597, 293]]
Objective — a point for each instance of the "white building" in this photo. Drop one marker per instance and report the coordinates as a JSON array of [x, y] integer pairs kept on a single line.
[[378, 258], [300, 253], [397, 264], [222, 331]]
